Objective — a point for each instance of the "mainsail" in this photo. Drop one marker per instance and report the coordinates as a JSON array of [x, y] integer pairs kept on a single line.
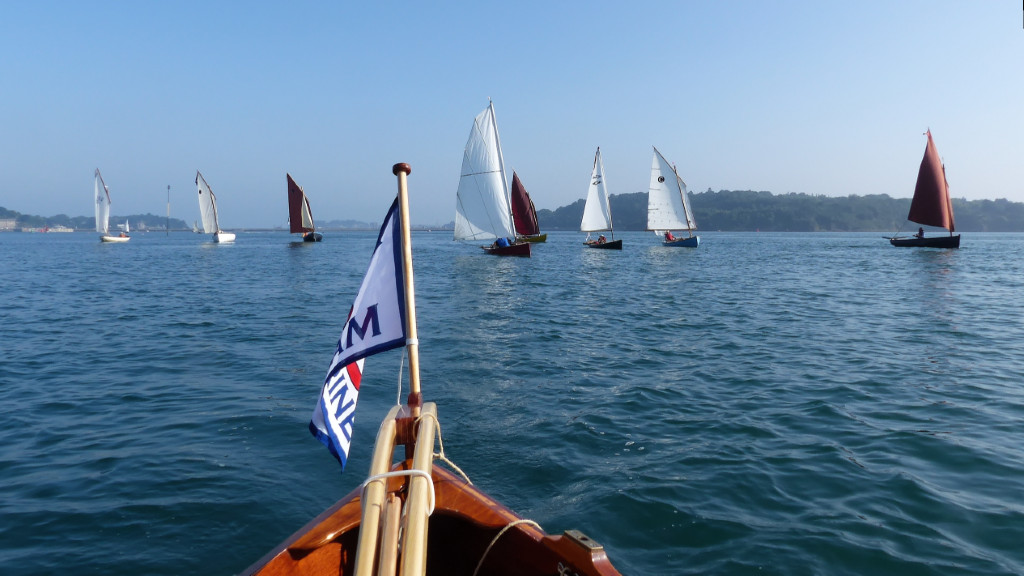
[[931, 205], [207, 205], [597, 212], [102, 194], [668, 207], [300, 217], [482, 210], [524, 214]]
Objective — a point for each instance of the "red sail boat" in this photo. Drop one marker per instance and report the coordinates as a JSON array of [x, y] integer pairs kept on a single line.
[[524, 214], [931, 205], [300, 217]]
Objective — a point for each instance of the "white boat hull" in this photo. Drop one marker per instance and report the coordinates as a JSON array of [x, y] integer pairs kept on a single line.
[[116, 239], [223, 237]]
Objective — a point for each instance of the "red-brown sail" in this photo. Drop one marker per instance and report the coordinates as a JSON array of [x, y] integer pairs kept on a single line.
[[524, 215], [931, 205], [296, 202]]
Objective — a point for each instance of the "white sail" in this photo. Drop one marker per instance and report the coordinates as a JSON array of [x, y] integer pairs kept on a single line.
[[483, 210], [307, 214], [126, 230], [597, 212], [102, 195], [207, 206], [668, 207]]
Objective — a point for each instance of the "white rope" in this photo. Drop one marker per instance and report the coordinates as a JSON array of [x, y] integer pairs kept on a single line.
[[440, 455], [500, 534], [401, 365], [362, 487]]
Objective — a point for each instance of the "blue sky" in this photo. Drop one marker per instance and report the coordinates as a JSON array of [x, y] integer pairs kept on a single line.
[[781, 95]]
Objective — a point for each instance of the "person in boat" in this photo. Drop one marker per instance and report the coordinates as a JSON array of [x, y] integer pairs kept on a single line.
[[668, 236], [601, 239], [500, 243], [920, 233]]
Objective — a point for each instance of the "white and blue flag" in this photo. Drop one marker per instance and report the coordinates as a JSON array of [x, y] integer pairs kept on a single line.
[[376, 323]]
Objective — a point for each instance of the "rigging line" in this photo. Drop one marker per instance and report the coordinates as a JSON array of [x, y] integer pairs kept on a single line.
[[499, 535], [440, 455]]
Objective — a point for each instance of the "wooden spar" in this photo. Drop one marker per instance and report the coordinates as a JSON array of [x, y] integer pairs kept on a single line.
[[374, 494], [402, 170], [414, 548]]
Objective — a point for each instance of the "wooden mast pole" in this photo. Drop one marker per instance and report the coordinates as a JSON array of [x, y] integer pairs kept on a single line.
[[402, 170]]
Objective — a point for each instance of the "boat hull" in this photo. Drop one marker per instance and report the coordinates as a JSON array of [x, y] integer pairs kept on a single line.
[[114, 239], [224, 237], [612, 245], [464, 523], [312, 237], [927, 242], [535, 239], [691, 242], [517, 249]]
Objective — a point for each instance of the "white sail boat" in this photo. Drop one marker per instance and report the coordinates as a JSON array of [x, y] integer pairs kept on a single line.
[[483, 208], [668, 207], [597, 212], [208, 211], [102, 195]]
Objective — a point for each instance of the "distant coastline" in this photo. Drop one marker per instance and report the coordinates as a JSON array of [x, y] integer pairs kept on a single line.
[[725, 210]]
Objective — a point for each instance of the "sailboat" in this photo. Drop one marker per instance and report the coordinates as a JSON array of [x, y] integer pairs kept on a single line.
[[597, 212], [668, 206], [931, 205], [483, 210], [208, 211], [410, 516], [102, 195], [524, 213], [300, 217]]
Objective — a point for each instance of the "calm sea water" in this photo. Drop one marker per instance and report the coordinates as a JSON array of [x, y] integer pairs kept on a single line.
[[766, 403]]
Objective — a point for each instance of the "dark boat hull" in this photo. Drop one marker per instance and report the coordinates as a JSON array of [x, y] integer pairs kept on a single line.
[[691, 242], [517, 249], [463, 524], [312, 237], [927, 242], [612, 245]]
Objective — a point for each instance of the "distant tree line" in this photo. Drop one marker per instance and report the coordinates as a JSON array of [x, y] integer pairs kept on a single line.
[[139, 221], [746, 210]]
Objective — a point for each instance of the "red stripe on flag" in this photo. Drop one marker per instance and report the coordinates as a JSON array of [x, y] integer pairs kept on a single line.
[[354, 374]]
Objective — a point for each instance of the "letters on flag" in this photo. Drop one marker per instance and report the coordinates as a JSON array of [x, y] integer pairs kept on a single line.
[[376, 323]]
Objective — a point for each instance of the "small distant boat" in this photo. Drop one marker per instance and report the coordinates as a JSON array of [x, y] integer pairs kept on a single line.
[[208, 211], [524, 213], [483, 210], [102, 195], [597, 212], [195, 227], [668, 205], [411, 516], [931, 205], [300, 217]]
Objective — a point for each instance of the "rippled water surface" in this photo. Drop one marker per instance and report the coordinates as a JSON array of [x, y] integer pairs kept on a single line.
[[765, 403]]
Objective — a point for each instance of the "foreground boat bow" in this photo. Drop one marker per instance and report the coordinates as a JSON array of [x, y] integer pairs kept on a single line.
[[469, 532]]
